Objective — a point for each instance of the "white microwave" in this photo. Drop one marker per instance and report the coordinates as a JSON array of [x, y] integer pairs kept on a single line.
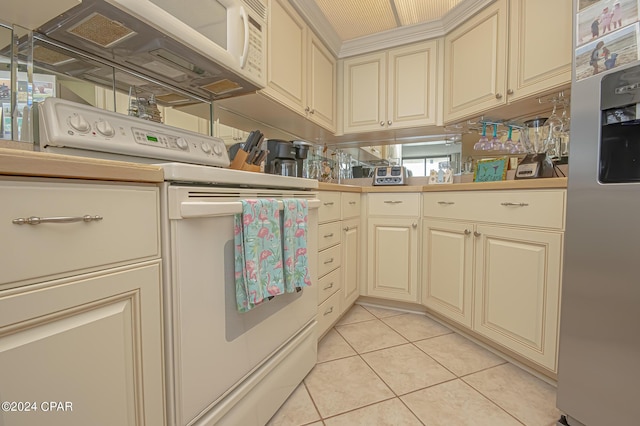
[[215, 47]]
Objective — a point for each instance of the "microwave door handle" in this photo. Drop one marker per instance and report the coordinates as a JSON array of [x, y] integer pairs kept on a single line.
[[245, 49]]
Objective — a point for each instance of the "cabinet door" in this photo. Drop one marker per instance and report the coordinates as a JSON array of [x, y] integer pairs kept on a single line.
[[287, 45], [365, 81], [447, 273], [476, 62], [392, 260], [350, 261], [95, 342], [412, 78], [539, 55], [517, 280], [321, 84]]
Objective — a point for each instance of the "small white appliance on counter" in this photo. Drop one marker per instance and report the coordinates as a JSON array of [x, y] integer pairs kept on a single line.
[[390, 175], [221, 366]]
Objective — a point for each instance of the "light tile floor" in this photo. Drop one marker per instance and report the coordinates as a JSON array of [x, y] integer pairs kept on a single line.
[[385, 367]]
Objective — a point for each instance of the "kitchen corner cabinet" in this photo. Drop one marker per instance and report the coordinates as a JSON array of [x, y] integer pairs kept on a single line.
[[392, 89], [492, 263], [392, 246], [512, 49], [301, 70], [80, 303]]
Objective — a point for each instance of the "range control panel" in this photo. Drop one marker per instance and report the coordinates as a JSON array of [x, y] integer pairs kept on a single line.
[[389, 175], [65, 124]]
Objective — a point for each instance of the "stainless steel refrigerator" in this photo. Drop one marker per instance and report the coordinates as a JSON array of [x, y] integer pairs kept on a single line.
[[599, 355]]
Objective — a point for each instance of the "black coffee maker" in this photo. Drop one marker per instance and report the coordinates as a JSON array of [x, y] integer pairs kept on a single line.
[[285, 158]]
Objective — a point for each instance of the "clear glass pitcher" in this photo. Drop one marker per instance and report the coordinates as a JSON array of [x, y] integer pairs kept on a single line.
[[536, 136]]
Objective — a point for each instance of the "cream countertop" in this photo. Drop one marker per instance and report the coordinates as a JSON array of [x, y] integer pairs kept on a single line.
[[546, 183], [17, 162]]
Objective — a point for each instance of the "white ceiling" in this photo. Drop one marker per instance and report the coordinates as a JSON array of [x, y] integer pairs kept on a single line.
[[351, 27]]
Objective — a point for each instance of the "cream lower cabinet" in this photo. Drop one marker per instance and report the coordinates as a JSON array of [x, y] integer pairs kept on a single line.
[[492, 263], [517, 292], [329, 261], [81, 304], [351, 253], [392, 246], [448, 269]]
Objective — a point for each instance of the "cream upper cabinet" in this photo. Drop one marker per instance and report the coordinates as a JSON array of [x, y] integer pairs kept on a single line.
[[447, 274], [393, 89], [511, 50], [475, 63], [301, 71], [540, 46]]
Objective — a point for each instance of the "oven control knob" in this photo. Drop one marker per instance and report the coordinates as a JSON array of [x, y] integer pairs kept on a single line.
[[105, 129], [206, 148], [217, 150], [79, 123], [182, 143]]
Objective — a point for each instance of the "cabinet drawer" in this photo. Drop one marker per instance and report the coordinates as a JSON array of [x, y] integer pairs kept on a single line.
[[328, 234], [350, 205], [328, 260], [391, 204], [328, 313], [540, 208], [329, 284], [128, 230], [330, 206]]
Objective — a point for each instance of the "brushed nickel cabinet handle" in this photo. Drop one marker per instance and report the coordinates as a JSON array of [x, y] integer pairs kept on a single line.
[[353, 203], [34, 220], [514, 204], [498, 95], [330, 203], [467, 232], [328, 287], [328, 311], [509, 91], [393, 202], [346, 229], [446, 203], [476, 233], [326, 262], [414, 225], [328, 235]]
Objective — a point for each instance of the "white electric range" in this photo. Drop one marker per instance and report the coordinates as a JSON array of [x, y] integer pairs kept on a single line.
[[221, 366]]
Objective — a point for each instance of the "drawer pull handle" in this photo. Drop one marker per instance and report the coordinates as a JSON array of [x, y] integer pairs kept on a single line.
[[393, 202], [329, 235], [330, 286], [514, 204], [326, 262], [353, 203], [329, 203], [34, 220], [446, 203], [467, 232], [328, 311]]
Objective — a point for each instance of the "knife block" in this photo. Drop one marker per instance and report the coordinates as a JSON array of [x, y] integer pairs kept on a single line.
[[240, 162]]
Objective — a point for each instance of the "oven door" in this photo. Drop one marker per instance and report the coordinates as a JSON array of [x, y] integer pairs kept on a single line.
[[212, 347]]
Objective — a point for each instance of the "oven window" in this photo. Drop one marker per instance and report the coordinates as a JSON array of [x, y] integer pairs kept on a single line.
[[208, 17]]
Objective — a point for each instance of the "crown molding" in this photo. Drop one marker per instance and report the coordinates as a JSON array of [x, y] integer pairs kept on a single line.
[[314, 17]]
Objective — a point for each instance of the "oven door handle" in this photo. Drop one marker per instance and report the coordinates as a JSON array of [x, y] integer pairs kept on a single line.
[[196, 209]]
